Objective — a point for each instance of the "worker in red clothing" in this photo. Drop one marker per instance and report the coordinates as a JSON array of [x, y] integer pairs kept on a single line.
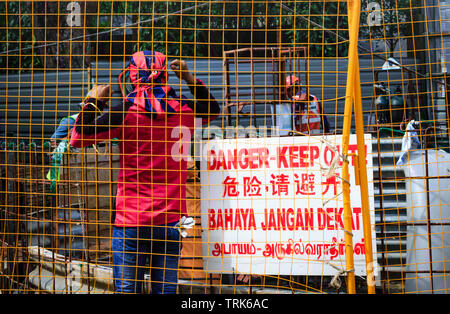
[[151, 189], [308, 114]]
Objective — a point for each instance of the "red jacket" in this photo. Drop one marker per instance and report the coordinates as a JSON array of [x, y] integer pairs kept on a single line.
[[151, 187]]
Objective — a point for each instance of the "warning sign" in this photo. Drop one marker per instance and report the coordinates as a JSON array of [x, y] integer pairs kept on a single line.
[[274, 206]]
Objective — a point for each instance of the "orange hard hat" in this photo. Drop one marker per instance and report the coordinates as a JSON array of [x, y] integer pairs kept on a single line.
[[291, 80]]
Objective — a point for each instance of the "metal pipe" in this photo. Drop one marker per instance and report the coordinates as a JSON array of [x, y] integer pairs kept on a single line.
[[364, 186], [353, 18]]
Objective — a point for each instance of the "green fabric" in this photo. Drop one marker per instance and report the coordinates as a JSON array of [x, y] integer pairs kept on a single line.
[[53, 174]]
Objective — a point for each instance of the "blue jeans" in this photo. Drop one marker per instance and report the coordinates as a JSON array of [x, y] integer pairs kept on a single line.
[[63, 128], [133, 245]]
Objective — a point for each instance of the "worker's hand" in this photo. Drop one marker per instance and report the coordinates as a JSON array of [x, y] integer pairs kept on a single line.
[[53, 140], [179, 67], [302, 97], [100, 92]]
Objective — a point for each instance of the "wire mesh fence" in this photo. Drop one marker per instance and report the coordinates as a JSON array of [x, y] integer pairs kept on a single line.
[[215, 147]]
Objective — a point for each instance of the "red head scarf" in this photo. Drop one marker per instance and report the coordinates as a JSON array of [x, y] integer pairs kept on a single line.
[[148, 74]]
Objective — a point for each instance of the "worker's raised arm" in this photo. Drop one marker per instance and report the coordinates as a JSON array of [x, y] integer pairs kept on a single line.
[[205, 105], [92, 125]]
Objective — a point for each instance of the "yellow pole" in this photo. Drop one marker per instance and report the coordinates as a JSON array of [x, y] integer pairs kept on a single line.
[[353, 68], [348, 237], [364, 188]]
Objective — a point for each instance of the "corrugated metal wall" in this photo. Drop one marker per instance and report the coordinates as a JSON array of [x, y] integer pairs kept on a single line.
[[32, 104], [327, 80]]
